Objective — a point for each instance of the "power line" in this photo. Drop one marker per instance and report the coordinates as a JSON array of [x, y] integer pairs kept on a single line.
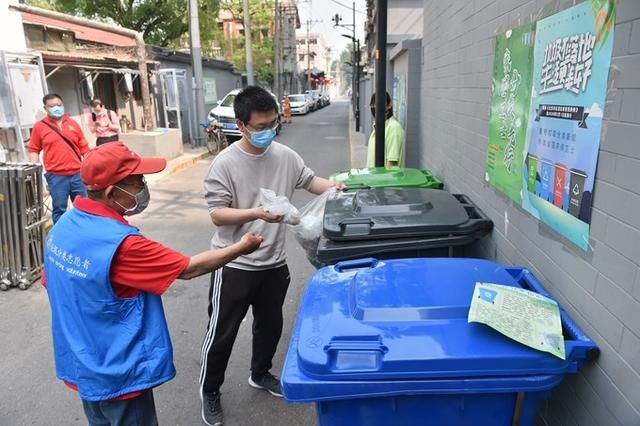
[[348, 7]]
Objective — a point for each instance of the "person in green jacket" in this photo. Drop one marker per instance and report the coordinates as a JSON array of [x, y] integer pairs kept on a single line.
[[393, 138]]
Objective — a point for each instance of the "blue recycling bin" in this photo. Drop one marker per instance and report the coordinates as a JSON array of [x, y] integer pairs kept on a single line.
[[388, 343]]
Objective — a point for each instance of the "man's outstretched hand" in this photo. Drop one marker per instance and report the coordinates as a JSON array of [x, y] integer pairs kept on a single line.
[[250, 242]]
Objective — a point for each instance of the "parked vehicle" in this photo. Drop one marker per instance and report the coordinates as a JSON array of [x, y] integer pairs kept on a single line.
[[326, 98], [223, 116], [312, 104], [300, 104], [316, 98], [216, 139]]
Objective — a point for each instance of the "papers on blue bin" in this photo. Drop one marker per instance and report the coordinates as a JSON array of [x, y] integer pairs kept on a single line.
[[522, 315]]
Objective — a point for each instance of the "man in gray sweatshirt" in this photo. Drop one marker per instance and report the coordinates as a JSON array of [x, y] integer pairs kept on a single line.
[[259, 279]]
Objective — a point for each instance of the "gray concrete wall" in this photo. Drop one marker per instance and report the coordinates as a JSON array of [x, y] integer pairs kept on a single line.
[[404, 17], [225, 82], [366, 119], [600, 289]]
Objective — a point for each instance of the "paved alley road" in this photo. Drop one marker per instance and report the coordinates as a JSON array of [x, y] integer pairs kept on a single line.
[[177, 217]]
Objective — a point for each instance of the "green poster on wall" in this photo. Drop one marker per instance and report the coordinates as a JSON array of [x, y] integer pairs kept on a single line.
[[510, 103]]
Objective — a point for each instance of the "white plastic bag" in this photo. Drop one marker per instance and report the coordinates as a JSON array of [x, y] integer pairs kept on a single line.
[[309, 230], [279, 205]]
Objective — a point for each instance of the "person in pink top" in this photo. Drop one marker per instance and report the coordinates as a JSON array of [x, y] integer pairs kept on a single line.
[[103, 123]]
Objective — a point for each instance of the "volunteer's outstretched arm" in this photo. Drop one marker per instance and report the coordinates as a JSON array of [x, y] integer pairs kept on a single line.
[[211, 260]]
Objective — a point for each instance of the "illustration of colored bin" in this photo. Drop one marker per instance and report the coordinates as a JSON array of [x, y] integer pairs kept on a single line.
[[388, 343], [559, 182], [546, 180], [532, 172], [576, 188]]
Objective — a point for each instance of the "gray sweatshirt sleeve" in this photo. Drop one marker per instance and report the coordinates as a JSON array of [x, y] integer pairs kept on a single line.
[[305, 174], [217, 187]]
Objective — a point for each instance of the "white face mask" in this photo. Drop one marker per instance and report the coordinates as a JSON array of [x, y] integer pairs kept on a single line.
[[142, 199]]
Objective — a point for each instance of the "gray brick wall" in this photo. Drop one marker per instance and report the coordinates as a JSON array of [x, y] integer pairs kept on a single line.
[[600, 288]]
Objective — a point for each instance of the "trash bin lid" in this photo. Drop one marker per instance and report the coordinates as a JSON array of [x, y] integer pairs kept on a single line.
[[407, 319], [382, 177], [393, 213], [330, 252]]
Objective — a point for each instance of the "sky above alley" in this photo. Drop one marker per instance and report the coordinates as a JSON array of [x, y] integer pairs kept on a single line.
[[324, 10]]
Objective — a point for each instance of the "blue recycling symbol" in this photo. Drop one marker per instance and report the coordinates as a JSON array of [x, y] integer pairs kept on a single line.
[[488, 295]]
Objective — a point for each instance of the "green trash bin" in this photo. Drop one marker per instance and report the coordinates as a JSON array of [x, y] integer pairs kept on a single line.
[[382, 177]]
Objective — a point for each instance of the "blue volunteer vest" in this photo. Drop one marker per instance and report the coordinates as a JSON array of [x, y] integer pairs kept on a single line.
[[105, 345]]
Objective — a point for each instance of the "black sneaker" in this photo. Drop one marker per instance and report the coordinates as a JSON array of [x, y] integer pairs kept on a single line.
[[268, 382], [211, 409]]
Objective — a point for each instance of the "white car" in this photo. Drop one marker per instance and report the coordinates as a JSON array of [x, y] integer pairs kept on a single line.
[[224, 115], [299, 104]]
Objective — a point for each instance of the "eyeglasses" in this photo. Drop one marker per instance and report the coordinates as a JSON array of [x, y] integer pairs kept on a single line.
[[271, 126]]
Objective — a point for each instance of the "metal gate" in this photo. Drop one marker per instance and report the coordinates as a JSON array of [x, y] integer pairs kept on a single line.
[[176, 88], [21, 224]]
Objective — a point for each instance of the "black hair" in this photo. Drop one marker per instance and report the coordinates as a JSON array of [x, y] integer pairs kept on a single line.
[[50, 96], [373, 99], [253, 99], [94, 103]]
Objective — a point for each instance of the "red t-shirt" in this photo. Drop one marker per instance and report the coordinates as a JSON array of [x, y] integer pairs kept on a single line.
[[59, 157], [138, 265]]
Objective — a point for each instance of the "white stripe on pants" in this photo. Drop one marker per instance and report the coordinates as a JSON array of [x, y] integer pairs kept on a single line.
[[213, 323]]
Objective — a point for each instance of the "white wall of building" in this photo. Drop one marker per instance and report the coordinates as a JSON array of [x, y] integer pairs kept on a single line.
[[11, 31]]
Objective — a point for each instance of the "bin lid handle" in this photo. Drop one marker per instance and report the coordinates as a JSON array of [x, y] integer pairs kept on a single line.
[[356, 187], [347, 265]]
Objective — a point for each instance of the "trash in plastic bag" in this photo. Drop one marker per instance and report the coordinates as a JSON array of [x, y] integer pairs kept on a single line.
[[309, 230], [279, 205]]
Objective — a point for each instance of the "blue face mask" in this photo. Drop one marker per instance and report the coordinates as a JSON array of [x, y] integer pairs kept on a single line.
[[263, 138], [56, 111]]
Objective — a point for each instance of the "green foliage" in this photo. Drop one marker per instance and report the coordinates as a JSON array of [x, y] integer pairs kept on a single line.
[[262, 17], [161, 22], [166, 23]]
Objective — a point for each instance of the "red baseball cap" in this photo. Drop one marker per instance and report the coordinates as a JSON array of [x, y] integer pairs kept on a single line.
[[111, 162]]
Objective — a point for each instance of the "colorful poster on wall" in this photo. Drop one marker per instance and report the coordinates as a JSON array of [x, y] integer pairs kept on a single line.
[[400, 99], [510, 105], [572, 55]]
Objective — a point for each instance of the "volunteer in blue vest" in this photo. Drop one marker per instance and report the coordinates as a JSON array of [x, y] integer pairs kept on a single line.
[[104, 280]]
